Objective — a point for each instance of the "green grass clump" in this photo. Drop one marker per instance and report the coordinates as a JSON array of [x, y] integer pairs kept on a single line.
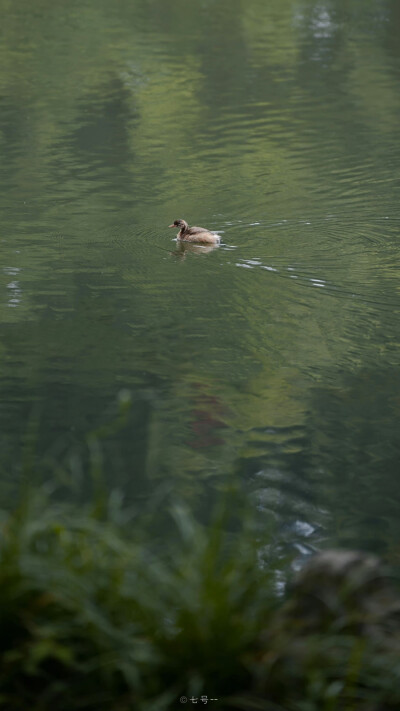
[[95, 616]]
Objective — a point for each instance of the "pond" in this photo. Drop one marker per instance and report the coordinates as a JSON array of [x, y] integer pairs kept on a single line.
[[271, 362]]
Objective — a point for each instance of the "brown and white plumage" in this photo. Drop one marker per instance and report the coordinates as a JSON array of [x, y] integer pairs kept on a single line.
[[194, 234]]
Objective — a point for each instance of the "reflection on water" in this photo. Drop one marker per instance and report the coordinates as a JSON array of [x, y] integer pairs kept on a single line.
[[182, 249], [269, 361]]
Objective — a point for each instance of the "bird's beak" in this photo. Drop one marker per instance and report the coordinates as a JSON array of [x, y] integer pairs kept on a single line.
[[171, 225]]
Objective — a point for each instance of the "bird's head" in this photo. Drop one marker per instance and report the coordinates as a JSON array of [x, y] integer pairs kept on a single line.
[[180, 224]]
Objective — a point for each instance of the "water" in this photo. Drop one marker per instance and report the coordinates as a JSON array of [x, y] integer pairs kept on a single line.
[[270, 362]]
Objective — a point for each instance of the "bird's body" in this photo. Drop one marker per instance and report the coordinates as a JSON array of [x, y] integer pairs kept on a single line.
[[199, 235]]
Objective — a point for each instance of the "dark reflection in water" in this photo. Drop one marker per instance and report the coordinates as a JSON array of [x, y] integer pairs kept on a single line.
[[270, 361]]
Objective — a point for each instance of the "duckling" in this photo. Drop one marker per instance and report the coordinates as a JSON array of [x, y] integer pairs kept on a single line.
[[194, 234]]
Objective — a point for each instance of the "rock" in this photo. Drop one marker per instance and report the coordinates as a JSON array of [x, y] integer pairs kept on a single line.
[[348, 590]]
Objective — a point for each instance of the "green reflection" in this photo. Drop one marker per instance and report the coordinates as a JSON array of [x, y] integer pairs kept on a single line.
[[275, 124]]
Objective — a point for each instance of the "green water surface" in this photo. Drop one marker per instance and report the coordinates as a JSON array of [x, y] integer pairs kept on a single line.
[[271, 362]]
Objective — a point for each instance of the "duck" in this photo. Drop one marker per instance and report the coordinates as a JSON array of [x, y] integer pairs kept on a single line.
[[194, 234]]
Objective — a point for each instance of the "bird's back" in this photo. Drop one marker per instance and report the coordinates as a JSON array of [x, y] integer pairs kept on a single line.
[[200, 235], [196, 230]]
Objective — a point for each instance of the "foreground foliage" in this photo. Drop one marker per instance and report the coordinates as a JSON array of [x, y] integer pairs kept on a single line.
[[92, 617]]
